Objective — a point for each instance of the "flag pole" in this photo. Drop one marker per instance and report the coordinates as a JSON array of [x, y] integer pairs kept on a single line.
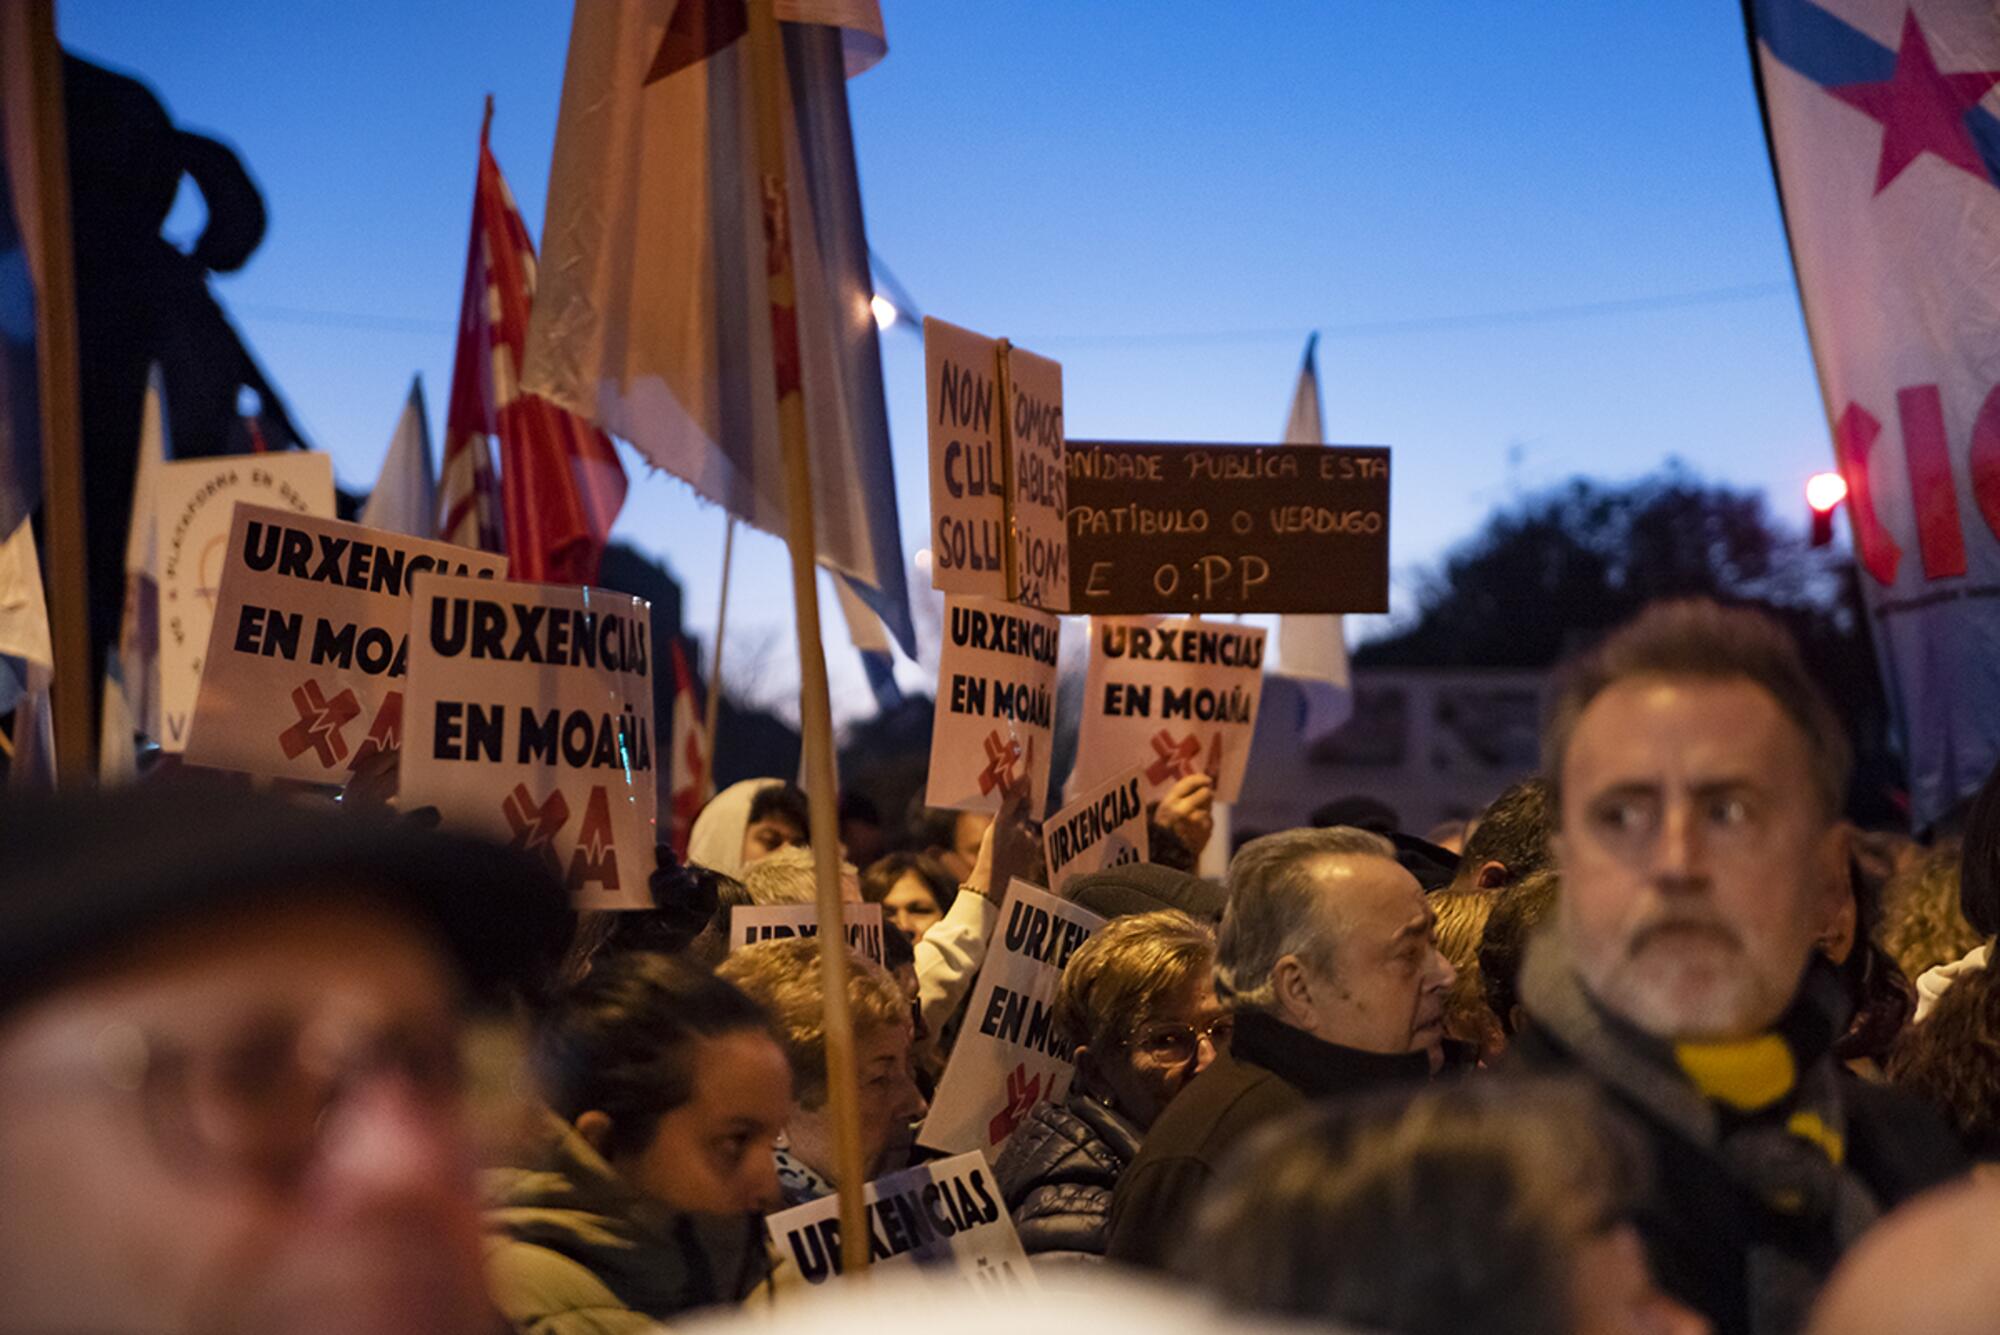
[[767, 70], [714, 703], [62, 425]]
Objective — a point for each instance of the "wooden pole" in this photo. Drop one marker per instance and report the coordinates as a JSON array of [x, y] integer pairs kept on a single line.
[[767, 72], [714, 708], [62, 421]]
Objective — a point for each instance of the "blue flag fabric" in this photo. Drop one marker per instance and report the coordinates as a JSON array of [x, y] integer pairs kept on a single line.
[[20, 411], [1887, 151]]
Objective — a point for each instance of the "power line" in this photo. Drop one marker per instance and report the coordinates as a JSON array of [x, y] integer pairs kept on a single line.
[[1422, 324]]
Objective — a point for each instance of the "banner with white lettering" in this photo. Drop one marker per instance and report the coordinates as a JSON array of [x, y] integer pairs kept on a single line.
[[530, 719], [306, 659], [1881, 115], [945, 1220], [192, 501], [750, 924], [1173, 696], [1009, 1056], [994, 719], [1106, 827]]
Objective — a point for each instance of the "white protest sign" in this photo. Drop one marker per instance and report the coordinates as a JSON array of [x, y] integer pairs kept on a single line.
[[192, 501], [752, 923], [945, 1219], [1037, 510], [1173, 696], [529, 718], [1009, 1056], [968, 479], [1106, 827], [994, 719], [305, 663]]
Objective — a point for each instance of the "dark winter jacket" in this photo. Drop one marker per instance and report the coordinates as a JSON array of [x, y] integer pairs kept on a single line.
[[1749, 1208], [1270, 1070], [1057, 1173], [574, 1250]]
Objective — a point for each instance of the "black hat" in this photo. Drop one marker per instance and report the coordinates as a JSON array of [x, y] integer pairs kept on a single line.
[[1145, 887], [82, 873]]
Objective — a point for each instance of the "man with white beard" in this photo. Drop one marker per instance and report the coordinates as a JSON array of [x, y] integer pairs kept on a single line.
[[1697, 776]]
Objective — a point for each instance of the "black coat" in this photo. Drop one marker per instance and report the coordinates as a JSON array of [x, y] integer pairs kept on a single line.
[[1271, 1069], [1057, 1173], [1699, 1223]]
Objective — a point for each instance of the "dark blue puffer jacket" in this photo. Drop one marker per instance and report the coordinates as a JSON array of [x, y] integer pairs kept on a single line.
[[1057, 1173]]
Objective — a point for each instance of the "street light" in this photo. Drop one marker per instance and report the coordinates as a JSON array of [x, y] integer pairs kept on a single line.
[[1824, 493]]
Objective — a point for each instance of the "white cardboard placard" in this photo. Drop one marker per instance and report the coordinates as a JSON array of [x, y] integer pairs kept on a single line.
[[1106, 827], [994, 718], [750, 924]]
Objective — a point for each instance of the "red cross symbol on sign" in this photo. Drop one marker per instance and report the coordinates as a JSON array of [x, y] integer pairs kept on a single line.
[[1176, 757], [319, 725], [1022, 1095], [1002, 754], [534, 824]]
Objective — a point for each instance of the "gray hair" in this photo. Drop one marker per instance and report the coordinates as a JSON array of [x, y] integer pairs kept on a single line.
[[1276, 909]]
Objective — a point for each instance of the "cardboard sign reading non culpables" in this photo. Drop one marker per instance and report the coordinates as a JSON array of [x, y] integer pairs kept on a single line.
[[750, 924], [1175, 697], [946, 1220], [306, 659], [1009, 1057], [1105, 827], [994, 720], [998, 480], [1227, 528], [1038, 510], [529, 718], [193, 500]]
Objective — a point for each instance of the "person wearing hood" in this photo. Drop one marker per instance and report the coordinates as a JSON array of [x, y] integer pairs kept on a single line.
[[747, 822], [643, 1198]]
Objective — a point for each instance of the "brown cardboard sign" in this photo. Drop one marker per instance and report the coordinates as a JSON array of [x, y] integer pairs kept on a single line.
[[1227, 528]]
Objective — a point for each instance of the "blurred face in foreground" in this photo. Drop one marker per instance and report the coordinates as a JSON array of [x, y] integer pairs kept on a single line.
[[1385, 989], [245, 1124], [1612, 1290], [1698, 863]]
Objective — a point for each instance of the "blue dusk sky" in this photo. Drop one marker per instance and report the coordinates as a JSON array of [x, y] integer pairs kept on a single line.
[[1536, 240]]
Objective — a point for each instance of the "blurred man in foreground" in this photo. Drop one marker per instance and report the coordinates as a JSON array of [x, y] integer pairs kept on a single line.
[[1698, 776], [229, 1064]]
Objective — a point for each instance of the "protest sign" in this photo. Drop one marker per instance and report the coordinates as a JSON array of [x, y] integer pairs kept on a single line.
[[1106, 827], [1039, 481], [1227, 528], [192, 503], [530, 719], [1176, 697], [305, 663], [998, 480], [945, 1219], [752, 923], [968, 496], [995, 710], [1009, 1056]]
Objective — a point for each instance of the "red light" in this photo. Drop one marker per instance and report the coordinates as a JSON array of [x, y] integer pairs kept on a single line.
[[1825, 491]]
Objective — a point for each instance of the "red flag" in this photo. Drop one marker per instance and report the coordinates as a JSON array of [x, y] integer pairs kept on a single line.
[[560, 480], [688, 774]]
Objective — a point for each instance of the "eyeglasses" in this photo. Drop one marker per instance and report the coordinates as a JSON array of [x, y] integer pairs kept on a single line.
[[1173, 1042], [259, 1102]]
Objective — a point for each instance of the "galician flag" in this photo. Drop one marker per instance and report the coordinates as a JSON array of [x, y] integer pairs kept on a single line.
[[688, 772], [652, 316], [1883, 130]]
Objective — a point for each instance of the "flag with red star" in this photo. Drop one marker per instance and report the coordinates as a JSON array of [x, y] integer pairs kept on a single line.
[[1885, 139]]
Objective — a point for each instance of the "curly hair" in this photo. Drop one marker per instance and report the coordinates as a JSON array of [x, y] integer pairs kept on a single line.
[[1922, 924], [1952, 1060], [784, 977]]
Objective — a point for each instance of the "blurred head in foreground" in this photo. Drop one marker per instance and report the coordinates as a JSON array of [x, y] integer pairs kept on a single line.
[[1930, 1266], [1473, 1206], [229, 1062]]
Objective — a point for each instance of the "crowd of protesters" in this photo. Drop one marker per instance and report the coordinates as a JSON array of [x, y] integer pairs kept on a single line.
[[1658, 1043]]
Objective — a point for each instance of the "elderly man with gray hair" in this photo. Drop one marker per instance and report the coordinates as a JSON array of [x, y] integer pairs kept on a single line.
[[1327, 958]]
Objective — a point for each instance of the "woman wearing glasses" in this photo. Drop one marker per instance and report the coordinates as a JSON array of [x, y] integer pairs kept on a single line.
[[1138, 1002]]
